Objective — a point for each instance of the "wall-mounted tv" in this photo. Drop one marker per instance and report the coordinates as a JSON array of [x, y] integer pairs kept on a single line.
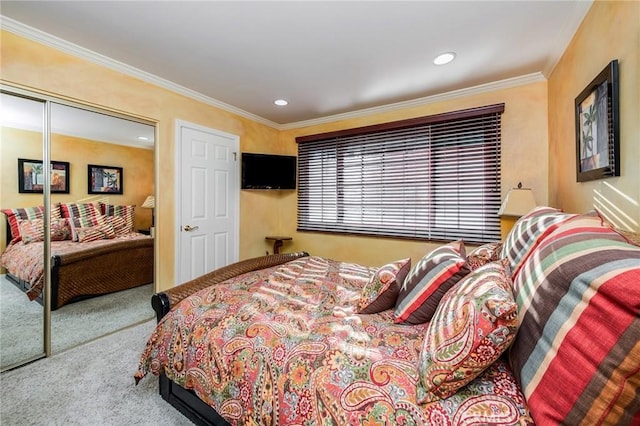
[[268, 171]]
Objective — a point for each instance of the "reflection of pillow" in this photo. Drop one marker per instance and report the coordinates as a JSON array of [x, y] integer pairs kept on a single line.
[[91, 227], [381, 291], [484, 254], [119, 224], [33, 230], [127, 212], [428, 281], [13, 215], [79, 209], [473, 325]]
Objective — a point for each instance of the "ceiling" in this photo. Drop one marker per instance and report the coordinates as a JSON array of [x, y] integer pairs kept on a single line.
[[326, 58], [27, 114]]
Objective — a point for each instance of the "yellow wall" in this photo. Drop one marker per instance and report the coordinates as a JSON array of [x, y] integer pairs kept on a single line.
[[34, 66], [137, 165], [524, 159], [611, 30], [538, 138]]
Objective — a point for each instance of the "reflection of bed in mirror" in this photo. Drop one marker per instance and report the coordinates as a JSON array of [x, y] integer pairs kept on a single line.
[[92, 253]]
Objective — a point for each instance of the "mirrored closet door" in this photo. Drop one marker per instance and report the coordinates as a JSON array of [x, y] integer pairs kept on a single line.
[[101, 197], [21, 136]]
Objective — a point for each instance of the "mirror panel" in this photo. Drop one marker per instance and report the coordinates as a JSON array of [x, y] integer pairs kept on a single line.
[[97, 157], [111, 162], [21, 136]]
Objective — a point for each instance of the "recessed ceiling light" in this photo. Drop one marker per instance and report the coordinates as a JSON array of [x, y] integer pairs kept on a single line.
[[444, 58], [143, 138], [280, 102]]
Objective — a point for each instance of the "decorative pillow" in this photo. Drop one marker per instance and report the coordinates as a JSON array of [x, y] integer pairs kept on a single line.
[[79, 209], [85, 228], [474, 324], [119, 223], [382, 290], [13, 215], [484, 254], [33, 230], [428, 281], [528, 231], [92, 233], [579, 302], [128, 212]]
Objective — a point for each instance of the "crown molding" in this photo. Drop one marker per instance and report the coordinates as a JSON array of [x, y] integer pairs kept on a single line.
[[81, 52], [455, 94], [47, 39]]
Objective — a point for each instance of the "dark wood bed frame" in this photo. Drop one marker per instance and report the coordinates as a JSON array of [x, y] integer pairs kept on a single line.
[[182, 399], [101, 270]]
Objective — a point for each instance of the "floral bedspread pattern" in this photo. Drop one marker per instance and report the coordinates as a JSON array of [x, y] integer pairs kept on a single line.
[[284, 346], [26, 261]]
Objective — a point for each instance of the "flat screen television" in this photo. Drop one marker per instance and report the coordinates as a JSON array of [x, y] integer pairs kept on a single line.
[[268, 171]]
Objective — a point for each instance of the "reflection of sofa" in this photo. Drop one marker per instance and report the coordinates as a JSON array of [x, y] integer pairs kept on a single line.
[[363, 354]]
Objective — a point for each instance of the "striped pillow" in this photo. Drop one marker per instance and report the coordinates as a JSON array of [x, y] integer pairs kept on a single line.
[[527, 232], [79, 209], [26, 213], [128, 212], [119, 224], [428, 281], [89, 228], [579, 303]]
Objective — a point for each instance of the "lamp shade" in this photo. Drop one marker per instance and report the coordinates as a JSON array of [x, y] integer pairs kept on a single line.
[[518, 202], [150, 202]]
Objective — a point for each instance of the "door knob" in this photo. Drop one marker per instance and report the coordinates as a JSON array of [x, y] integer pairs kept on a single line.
[[190, 228]]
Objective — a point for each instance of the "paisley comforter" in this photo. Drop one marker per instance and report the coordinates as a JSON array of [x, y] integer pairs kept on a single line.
[[283, 346]]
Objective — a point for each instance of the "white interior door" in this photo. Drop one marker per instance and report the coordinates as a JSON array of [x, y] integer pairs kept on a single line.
[[207, 200]]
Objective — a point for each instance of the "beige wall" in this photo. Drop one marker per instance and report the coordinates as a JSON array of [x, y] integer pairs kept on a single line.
[[538, 138], [524, 159], [611, 30], [31, 65], [137, 167]]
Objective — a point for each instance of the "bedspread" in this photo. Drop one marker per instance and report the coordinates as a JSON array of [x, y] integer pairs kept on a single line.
[[26, 261], [284, 346]]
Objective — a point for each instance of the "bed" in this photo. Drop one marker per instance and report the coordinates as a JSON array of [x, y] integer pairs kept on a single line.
[[287, 339], [87, 267]]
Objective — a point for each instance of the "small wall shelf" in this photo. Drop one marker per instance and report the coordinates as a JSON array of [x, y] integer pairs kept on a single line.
[[277, 242]]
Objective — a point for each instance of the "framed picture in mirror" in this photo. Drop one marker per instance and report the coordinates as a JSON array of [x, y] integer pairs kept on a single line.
[[104, 179], [31, 176]]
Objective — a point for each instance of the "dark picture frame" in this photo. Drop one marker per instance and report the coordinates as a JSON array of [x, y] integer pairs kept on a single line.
[[598, 127], [104, 179], [31, 176]]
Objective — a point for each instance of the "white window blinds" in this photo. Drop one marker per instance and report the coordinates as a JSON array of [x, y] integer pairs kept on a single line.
[[434, 178]]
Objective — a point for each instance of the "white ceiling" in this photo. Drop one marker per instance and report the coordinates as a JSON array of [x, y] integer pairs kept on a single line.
[[326, 58], [27, 114]]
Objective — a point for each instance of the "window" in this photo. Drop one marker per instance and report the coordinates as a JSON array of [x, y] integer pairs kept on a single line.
[[432, 178]]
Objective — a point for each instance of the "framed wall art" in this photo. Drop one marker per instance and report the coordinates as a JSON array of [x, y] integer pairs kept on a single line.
[[31, 176], [598, 127], [104, 179]]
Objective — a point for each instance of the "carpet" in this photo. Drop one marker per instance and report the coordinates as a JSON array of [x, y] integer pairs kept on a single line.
[[21, 321], [91, 384]]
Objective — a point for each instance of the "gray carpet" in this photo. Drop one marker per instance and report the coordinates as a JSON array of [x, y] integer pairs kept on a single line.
[[21, 321], [91, 384]]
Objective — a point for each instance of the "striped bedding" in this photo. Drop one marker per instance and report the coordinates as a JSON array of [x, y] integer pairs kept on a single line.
[[577, 354]]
